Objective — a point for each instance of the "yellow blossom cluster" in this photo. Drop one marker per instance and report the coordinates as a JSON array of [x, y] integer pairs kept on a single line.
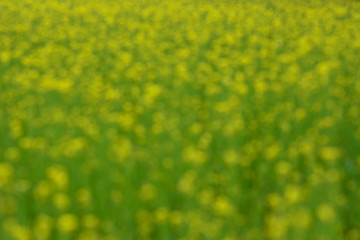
[[179, 119]]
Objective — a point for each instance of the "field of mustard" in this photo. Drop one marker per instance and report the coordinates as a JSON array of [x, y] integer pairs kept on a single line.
[[179, 120]]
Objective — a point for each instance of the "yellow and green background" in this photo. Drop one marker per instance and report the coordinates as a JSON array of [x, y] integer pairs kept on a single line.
[[179, 120]]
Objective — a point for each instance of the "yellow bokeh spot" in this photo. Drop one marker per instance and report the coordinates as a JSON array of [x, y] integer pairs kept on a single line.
[[330, 154], [231, 157], [90, 221], [61, 201], [222, 206], [302, 218], [43, 227], [43, 189], [194, 155], [161, 214], [274, 200], [17, 231], [147, 192], [272, 151], [277, 226], [293, 193], [152, 91], [186, 182], [6, 173], [67, 223], [83, 196], [58, 175], [283, 168], [326, 212]]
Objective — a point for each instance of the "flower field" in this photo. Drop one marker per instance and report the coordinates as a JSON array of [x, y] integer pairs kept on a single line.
[[179, 120]]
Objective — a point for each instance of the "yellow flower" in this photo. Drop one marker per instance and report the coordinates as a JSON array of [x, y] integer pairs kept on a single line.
[[12, 154], [58, 175], [8, 206], [330, 154], [301, 219], [272, 151], [206, 197], [353, 234], [73, 146], [222, 206], [283, 168], [61, 201], [42, 190], [67, 223], [277, 226], [186, 182], [6, 173], [83, 196], [300, 114], [231, 157], [122, 148], [176, 217], [5, 56], [90, 221], [293, 193], [43, 227], [21, 233], [147, 192], [161, 214], [16, 129], [152, 91], [274, 200], [194, 155], [326, 212], [89, 235], [116, 196]]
